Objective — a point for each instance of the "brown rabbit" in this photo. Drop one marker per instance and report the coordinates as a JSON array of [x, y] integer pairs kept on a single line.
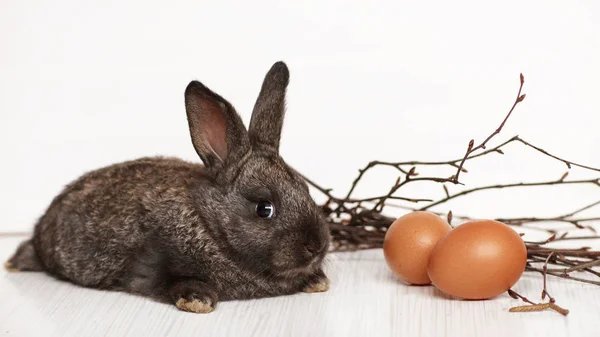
[[241, 226]]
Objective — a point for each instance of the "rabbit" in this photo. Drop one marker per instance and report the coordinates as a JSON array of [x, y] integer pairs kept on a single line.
[[241, 225]]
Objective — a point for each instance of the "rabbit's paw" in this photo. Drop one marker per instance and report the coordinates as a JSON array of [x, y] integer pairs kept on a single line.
[[194, 296], [9, 266], [318, 285], [199, 306]]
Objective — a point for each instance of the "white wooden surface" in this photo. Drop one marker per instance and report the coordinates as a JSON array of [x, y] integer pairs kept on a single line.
[[364, 300]]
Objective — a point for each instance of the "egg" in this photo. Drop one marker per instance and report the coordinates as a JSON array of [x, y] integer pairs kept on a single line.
[[477, 260], [408, 243]]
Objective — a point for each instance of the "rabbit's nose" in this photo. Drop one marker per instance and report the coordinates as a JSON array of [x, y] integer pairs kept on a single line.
[[311, 249], [315, 248]]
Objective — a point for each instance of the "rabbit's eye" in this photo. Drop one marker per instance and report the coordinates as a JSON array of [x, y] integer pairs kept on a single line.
[[265, 209]]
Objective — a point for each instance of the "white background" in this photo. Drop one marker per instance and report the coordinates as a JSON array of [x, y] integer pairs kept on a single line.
[[84, 84]]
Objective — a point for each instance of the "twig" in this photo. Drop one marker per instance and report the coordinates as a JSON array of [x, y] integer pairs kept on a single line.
[[574, 265], [582, 266], [471, 149], [517, 296], [565, 276], [534, 306], [544, 273], [567, 162], [566, 238], [500, 186]]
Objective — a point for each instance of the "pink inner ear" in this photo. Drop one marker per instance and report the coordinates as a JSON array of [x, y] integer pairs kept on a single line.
[[215, 127]]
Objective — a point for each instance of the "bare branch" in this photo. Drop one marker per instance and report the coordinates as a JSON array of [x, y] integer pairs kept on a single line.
[[356, 225]]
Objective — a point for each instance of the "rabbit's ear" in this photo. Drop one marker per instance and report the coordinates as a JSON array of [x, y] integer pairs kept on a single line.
[[218, 133], [269, 110]]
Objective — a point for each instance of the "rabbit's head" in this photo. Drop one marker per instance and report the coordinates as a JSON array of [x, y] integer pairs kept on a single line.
[[258, 207]]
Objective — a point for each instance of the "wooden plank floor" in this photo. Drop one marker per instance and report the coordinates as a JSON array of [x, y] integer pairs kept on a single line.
[[364, 300]]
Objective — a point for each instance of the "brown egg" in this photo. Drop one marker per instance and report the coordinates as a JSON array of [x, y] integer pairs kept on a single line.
[[408, 242], [478, 260]]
